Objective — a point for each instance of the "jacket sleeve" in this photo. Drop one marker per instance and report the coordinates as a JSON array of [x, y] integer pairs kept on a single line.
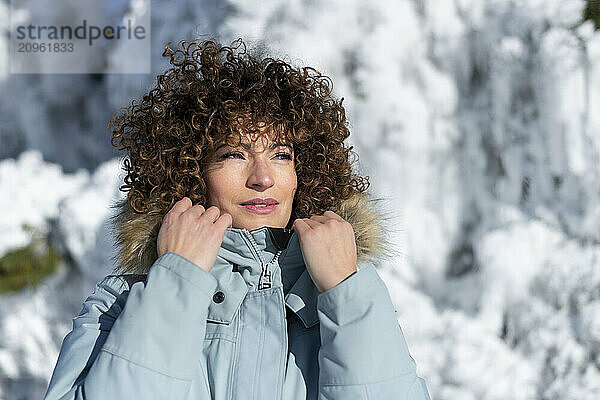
[[142, 342], [363, 352]]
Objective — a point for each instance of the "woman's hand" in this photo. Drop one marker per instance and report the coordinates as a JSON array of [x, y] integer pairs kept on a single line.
[[193, 232], [329, 248]]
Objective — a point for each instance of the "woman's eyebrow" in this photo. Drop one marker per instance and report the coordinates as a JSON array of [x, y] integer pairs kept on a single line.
[[275, 145], [248, 146]]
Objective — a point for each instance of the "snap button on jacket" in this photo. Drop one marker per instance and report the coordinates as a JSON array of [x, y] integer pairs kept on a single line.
[[179, 332], [218, 297]]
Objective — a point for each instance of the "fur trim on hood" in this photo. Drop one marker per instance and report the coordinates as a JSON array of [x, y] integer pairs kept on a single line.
[[136, 233]]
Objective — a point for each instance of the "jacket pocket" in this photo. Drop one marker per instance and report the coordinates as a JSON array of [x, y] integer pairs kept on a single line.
[[222, 318], [222, 330]]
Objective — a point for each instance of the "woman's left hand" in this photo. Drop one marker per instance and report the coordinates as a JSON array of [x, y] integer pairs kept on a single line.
[[329, 248]]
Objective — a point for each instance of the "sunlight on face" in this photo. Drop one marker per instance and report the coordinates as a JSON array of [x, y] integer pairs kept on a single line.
[[259, 169]]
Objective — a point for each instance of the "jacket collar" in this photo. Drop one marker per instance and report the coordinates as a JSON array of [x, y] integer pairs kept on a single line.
[[136, 235], [301, 297], [241, 252]]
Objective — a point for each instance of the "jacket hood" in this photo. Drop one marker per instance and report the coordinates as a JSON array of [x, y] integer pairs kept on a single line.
[[136, 233]]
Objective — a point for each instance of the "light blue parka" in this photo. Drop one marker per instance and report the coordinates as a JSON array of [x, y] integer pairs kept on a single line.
[[253, 328]]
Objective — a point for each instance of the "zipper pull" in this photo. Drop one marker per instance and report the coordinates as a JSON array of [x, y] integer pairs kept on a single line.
[[264, 281]]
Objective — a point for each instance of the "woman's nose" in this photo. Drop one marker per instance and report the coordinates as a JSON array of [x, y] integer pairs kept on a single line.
[[260, 177]]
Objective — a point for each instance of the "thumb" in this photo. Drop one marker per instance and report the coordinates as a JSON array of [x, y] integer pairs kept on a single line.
[[297, 225]]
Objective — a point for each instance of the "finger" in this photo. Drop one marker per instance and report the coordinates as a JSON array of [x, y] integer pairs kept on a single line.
[[319, 218], [311, 223], [181, 205], [212, 213], [300, 226], [331, 214], [224, 221], [197, 210], [178, 208]]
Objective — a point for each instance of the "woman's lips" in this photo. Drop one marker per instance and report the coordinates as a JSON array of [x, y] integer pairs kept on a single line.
[[256, 209]]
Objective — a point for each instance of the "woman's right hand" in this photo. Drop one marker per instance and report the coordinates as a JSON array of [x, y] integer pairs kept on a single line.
[[193, 232]]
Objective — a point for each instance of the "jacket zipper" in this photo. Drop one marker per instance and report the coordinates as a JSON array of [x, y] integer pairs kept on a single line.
[[265, 280]]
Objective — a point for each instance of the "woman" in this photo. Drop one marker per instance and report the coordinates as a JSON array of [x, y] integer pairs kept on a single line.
[[245, 245]]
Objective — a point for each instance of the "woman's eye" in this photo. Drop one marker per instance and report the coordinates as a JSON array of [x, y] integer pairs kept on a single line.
[[234, 154], [287, 156], [228, 155]]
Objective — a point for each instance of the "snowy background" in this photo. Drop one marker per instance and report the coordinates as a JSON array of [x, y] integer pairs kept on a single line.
[[474, 117]]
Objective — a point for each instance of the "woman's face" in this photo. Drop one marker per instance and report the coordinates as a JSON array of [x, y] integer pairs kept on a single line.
[[258, 171]]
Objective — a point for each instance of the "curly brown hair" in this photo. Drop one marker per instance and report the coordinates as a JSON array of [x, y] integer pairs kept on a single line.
[[210, 93]]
